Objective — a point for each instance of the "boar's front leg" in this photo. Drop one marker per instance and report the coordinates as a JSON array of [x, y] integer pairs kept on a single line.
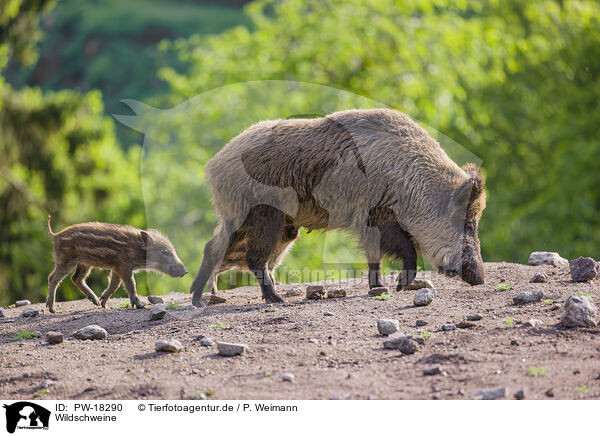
[[397, 243], [129, 282], [114, 281]]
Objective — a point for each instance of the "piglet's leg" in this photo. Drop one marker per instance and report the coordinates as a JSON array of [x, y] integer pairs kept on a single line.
[[129, 282], [57, 275], [78, 277], [114, 281]]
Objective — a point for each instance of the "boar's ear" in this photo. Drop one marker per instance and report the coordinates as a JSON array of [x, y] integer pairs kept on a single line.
[[461, 197], [145, 239], [474, 173]]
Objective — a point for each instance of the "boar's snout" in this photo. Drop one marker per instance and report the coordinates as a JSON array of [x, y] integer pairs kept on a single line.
[[472, 267], [177, 270]]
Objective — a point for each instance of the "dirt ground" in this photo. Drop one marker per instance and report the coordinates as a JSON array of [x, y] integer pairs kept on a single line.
[[338, 355]]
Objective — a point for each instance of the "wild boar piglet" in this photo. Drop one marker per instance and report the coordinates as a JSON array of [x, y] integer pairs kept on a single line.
[[119, 248]]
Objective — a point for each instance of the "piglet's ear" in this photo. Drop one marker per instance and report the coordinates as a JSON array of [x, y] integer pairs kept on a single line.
[[145, 238]]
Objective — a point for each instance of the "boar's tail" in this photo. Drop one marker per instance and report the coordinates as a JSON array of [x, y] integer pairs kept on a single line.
[[50, 232]]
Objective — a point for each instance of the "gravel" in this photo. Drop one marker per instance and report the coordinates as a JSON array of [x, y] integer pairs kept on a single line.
[[424, 297], [492, 394], [547, 258], [315, 292], [533, 322], [207, 342], [2, 314], [433, 370], [153, 299], [287, 377], [474, 317], [520, 394], [539, 277], [528, 297], [231, 349], [21, 303], [465, 325], [448, 327], [388, 326], [407, 344], [583, 269], [90, 332], [420, 322], [157, 312], [30, 312], [168, 346], [579, 311], [54, 337], [336, 293]]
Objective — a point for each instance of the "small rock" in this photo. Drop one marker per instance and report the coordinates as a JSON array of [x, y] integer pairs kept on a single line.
[[54, 337], [2, 314], [294, 292], [21, 303], [30, 312], [313, 341], [207, 342], [418, 284], [424, 297], [528, 297], [212, 299], [448, 327], [336, 293], [315, 292], [434, 370], [90, 332], [474, 317], [550, 393], [492, 394], [328, 314], [533, 322], [376, 292], [539, 277], [287, 377], [407, 344], [583, 269], [546, 258], [420, 322], [388, 326], [465, 325], [579, 311], [168, 346], [228, 349], [45, 384], [153, 299], [157, 312], [520, 394]]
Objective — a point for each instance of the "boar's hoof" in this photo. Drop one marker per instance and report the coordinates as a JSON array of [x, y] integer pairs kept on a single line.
[[273, 298], [95, 301], [137, 303], [51, 308], [198, 302]]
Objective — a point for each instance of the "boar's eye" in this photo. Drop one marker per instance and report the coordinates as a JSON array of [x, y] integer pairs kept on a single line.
[[165, 253]]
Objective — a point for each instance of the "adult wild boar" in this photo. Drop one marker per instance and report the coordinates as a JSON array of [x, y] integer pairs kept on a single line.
[[374, 172]]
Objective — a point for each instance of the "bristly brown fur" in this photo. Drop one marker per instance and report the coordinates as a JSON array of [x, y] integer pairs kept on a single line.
[[330, 173], [119, 248]]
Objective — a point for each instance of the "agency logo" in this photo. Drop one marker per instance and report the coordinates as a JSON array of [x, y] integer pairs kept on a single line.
[[26, 415]]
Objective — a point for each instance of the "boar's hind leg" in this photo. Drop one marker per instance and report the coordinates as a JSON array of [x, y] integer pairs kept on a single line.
[[78, 277], [114, 281], [57, 275], [214, 251], [397, 243], [265, 224], [129, 282]]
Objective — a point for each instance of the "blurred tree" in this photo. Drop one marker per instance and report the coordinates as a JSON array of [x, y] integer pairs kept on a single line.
[[515, 82], [59, 156]]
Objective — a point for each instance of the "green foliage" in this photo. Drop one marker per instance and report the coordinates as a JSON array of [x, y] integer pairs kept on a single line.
[[504, 287], [509, 322], [582, 389], [535, 372], [25, 334], [384, 297], [219, 325], [173, 305]]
